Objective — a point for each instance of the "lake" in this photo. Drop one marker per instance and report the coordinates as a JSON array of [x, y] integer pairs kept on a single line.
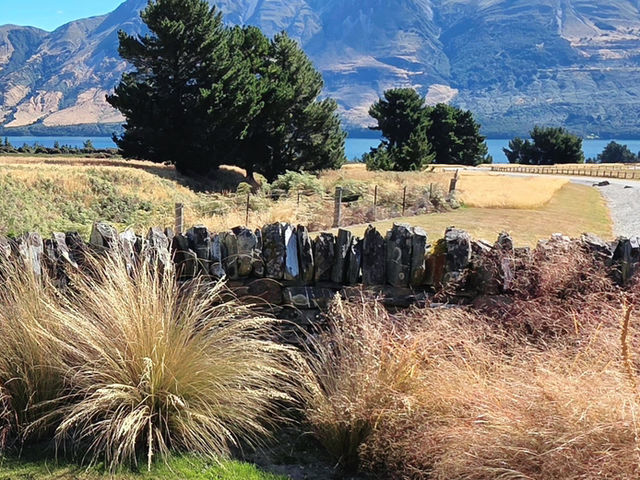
[[354, 147]]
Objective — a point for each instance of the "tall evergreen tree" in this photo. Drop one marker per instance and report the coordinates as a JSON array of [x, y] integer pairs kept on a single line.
[[181, 69], [202, 94], [403, 124], [293, 129]]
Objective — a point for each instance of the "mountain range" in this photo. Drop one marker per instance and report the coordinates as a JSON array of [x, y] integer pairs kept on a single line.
[[514, 63]]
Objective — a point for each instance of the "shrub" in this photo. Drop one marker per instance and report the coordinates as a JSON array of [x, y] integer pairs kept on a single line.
[[357, 367], [447, 393], [291, 182]]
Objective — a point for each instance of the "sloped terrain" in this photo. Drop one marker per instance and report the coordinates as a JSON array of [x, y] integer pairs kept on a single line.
[[513, 62]]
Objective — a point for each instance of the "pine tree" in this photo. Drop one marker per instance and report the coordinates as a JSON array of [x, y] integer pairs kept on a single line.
[[293, 129], [176, 99]]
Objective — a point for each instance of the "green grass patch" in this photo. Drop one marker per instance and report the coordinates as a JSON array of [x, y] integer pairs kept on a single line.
[[30, 467]]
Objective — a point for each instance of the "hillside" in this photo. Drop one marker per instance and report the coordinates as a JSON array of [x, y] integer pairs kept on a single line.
[[513, 62]]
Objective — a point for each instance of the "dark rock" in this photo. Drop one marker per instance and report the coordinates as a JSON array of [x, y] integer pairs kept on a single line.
[[458, 251], [230, 260], [265, 290], [604, 183], [398, 255], [200, 243], [292, 263], [323, 256], [247, 243], [31, 250], [626, 257], [419, 250], [340, 259], [258, 261], [186, 260], [127, 242], [504, 242], [308, 297], [305, 251], [597, 246], [354, 262], [373, 253], [103, 236], [77, 247], [156, 249], [273, 251], [215, 256]]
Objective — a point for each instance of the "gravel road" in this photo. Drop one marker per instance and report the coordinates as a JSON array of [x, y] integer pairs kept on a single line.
[[623, 199]]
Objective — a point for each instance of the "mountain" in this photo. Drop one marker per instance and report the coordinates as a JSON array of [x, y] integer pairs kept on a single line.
[[514, 63]]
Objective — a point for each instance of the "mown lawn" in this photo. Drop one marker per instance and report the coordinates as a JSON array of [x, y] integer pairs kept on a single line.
[[573, 210], [179, 468]]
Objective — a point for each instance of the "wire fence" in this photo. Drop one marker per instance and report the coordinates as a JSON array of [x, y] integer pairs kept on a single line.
[[627, 171], [338, 208]]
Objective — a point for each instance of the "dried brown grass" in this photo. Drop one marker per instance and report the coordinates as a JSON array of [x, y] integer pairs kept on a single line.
[[474, 400]]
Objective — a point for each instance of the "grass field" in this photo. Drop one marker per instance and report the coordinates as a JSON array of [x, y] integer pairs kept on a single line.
[[65, 194], [573, 210], [177, 468]]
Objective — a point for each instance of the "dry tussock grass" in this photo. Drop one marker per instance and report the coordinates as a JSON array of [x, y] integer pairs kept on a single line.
[[128, 364], [481, 402]]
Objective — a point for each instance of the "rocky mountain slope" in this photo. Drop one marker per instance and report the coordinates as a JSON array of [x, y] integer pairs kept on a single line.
[[513, 62]]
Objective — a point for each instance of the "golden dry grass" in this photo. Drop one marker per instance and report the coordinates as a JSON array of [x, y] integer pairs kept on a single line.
[[46, 194], [573, 210], [131, 364], [497, 191]]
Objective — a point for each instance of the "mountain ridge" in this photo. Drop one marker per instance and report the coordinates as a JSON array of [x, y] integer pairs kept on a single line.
[[514, 63]]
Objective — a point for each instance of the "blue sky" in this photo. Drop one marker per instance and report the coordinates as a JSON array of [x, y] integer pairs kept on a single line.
[[50, 14]]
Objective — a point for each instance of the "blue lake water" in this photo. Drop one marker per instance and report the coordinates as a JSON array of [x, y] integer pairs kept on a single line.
[[354, 147]]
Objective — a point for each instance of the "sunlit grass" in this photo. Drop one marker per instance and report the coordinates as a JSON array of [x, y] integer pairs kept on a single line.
[[573, 210]]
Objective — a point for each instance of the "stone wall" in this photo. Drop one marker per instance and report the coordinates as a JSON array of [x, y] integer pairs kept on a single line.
[[284, 265]]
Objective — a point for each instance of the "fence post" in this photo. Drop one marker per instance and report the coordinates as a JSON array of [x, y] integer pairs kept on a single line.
[[337, 215], [246, 221], [179, 219], [454, 182], [404, 200], [375, 203]]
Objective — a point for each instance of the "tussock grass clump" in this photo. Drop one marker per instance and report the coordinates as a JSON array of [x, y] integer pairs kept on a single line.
[[31, 378], [473, 400], [128, 364], [160, 367]]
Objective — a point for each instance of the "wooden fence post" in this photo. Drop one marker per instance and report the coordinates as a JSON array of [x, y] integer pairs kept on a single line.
[[404, 200], [179, 219], [246, 221], [337, 215], [375, 203]]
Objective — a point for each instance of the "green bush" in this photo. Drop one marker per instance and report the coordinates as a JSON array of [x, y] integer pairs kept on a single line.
[[291, 182]]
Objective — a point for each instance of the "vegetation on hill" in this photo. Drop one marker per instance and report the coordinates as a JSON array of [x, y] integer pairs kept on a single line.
[[548, 146], [202, 95], [616, 153], [416, 135]]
